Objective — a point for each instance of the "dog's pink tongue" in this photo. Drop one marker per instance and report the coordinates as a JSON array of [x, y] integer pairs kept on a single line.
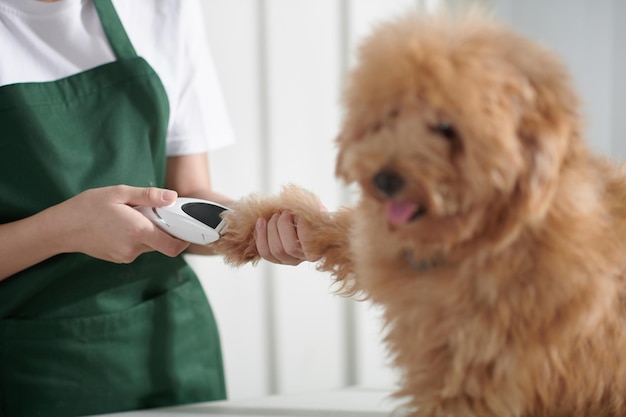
[[400, 212]]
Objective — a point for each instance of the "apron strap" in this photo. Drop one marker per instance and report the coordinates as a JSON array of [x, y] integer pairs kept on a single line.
[[113, 28]]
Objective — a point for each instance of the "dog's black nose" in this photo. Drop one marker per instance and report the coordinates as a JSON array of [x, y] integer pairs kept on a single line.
[[388, 182]]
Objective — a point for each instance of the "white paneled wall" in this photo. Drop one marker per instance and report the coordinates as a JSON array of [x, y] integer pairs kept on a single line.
[[282, 64], [619, 79], [303, 83]]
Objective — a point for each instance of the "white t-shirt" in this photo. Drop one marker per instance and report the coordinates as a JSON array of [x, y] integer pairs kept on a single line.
[[45, 41]]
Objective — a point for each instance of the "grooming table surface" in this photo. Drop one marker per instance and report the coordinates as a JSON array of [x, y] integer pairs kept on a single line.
[[350, 402]]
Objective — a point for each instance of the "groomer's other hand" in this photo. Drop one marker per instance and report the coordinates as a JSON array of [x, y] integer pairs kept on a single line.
[[102, 223], [283, 238]]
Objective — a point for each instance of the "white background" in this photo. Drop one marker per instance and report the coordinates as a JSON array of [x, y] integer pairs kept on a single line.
[[282, 64]]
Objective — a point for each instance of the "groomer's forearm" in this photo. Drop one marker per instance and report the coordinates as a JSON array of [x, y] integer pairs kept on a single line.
[[27, 242]]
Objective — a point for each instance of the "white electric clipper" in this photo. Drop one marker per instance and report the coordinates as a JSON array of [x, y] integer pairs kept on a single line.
[[189, 219]]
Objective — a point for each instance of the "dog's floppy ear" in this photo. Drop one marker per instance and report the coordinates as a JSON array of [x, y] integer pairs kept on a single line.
[[548, 128]]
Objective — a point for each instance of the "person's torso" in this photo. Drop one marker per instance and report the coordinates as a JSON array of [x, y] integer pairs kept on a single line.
[[104, 126], [78, 335]]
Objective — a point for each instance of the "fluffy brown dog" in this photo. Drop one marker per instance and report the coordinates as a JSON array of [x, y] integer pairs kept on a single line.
[[493, 238]]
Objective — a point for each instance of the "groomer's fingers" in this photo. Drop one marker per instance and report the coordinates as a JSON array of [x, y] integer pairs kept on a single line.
[[304, 232], [279, 240], [270, 243], [262, 245], [288, 234], [162, 242], [143, 196]]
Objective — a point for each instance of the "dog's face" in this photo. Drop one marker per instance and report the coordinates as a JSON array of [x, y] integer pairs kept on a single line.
[[454, 130]]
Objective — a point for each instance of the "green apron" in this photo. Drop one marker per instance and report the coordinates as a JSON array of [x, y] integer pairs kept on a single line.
[[79, 335]]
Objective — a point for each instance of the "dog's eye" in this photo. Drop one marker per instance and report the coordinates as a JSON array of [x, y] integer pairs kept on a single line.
[[376, 127], [445, 130]]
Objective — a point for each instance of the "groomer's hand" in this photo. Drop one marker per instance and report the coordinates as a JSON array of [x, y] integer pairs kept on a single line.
[[283, 238], [102, 223]]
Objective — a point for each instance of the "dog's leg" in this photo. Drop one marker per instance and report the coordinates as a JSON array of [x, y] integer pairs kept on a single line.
[[328, 239]]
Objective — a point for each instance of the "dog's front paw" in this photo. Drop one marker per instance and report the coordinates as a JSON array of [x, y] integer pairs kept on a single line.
[[238, 241]]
